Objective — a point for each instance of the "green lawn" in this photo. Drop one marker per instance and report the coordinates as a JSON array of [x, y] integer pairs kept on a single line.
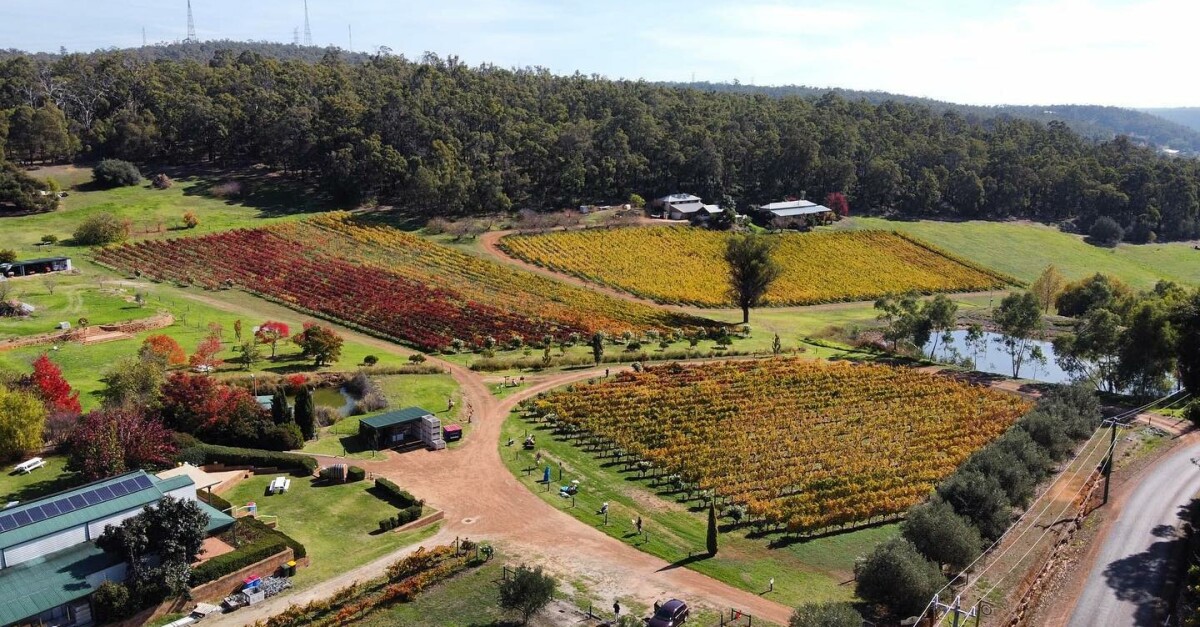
[[805, 571], [84, 365], [155, 213], [469, 599], [338, 524], [1024, 250], [51, 478], [73, 297], [428, 391]]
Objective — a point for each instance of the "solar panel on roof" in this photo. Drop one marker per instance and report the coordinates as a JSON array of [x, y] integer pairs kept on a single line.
[[6, 523], [132, 484], [22, 518], [105, 493], [50, 508], [91, 497], [142, 482], [119, 489], [36, 514], [65, 506], [78, 501]]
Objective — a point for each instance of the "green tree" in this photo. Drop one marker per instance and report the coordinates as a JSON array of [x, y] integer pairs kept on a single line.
[[1106, 232], [980, 499], [305, 412], [827, 614], [898, 576], [941, 535], [597, 343], [752, 269], [321, 343], [116, 173], [1092, 352], [976, 342], [22, 421], [135, 381], [528, 591], [939, 316], [99, 229], [158, 545], [280, 412], [1019, 319], [902, 319], [251, 354], [776, 345], [1186, 321], [710, 538], [1148, 353], [1047, 287]]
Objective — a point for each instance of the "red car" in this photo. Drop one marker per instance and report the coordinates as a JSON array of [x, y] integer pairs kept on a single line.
[[670, 614]]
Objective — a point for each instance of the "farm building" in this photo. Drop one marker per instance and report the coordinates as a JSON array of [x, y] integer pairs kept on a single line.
[[794, 208], [31, 267], [49, 562], [402, 428]]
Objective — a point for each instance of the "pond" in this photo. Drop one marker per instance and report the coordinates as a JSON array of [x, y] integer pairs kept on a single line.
[[331, 397], [994, 358]]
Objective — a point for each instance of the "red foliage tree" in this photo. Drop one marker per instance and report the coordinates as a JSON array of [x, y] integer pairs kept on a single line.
[[206, 353], [166, 347], [837, 201], [270, 332], [55, 392], [114, 440], [193, 403]]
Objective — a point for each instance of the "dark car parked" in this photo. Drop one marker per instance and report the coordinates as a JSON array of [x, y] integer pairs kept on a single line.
[[670, 614]]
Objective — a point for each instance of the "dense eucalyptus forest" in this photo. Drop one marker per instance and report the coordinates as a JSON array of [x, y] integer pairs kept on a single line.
[[449, 139]]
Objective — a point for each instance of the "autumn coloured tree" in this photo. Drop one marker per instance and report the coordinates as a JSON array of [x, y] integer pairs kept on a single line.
[[838, 203], [194, 403], [48, 382], [165, 347], [206, 353], [270, 332], [114, 440], [320, 342]]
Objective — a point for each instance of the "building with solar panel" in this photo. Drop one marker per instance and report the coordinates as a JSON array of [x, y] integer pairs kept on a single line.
[[49, 562]]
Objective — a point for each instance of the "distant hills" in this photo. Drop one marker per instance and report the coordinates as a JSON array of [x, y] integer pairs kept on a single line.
[[1163, 128]]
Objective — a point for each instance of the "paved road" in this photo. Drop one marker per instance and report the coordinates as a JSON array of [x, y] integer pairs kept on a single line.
[[1125, 584]]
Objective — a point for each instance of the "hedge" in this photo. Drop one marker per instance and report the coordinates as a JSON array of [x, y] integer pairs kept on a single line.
[[233, 456], [355, 474], [406, 515], [213, 500], [393, 494], [297, 548], [222, 565]]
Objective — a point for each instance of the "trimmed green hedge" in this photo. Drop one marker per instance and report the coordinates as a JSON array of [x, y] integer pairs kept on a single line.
[[405, 516], [354, 473], [244, 556], [393, 494], [233, 456], [297, 548], [213, 500]]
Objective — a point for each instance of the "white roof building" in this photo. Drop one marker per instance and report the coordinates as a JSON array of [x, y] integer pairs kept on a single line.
[[792, 208]]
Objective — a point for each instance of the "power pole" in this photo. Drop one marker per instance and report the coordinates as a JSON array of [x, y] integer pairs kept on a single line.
[[191, 33], [956, 607], [307, 29], [1108, 460]]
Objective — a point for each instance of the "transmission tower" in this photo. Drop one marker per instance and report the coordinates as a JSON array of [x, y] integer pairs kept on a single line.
[[296, 36], [191, 35], [307, 30]]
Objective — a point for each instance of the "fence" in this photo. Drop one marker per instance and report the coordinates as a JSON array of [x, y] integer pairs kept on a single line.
[[736, 618]]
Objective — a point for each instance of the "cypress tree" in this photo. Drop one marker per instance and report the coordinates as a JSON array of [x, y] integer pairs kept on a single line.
[[306, 413], [279, 408], [711, 541]]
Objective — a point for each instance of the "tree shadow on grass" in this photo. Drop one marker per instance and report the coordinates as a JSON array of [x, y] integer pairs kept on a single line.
[[684, 562], [274, 194], [44, 487]]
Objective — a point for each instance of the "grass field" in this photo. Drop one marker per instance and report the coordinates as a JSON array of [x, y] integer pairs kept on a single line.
[[1023, 250], [805, 571], [686, 265], [338, 524], [73, 297], [428, 391], [154, 213], [84, 365], [51, 478]]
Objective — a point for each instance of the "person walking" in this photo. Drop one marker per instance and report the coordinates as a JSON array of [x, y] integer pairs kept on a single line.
[[616, 608], [639, 524]]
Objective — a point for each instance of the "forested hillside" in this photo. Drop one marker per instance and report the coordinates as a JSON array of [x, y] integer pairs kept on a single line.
[[1092, 121], [450, 139], [1187, 116]]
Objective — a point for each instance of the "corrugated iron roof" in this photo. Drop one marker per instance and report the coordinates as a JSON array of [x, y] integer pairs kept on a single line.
[[408, 414], [32, 587]]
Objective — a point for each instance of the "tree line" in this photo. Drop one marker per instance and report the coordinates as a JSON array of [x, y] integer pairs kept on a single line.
[[448, 139]]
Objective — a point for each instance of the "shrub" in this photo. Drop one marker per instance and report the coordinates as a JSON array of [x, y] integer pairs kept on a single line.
[[100, 229], [116, 173], [979, 499], [941, 535], [356, 474], [370, 360], [527, 591], [233, 456], [897, 575], [326, 416], [214, 500], [393, 494], [416, 358], [262, 529], [284, 437], [8, 255], [829, 614], [161, 181], [111, 602], [190, 220], [1106, 232], [222, 565], [1192, 412], [50, 240]]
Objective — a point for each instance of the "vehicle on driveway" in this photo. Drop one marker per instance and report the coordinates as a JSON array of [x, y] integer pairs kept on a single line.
[[670, 614]]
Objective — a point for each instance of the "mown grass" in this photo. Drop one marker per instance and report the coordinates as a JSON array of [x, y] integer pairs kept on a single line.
[[427, 391], [337, 524], [85, 365], [51, 478], [1023, 250], [805, 571], [73, 297], [155, 213]]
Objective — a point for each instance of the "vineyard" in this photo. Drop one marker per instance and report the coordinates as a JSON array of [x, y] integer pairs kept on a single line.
[[686, 265], [388, 282], [804, 444]]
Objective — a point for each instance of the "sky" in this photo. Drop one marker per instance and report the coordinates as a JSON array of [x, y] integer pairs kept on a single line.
[[1110, 52]]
